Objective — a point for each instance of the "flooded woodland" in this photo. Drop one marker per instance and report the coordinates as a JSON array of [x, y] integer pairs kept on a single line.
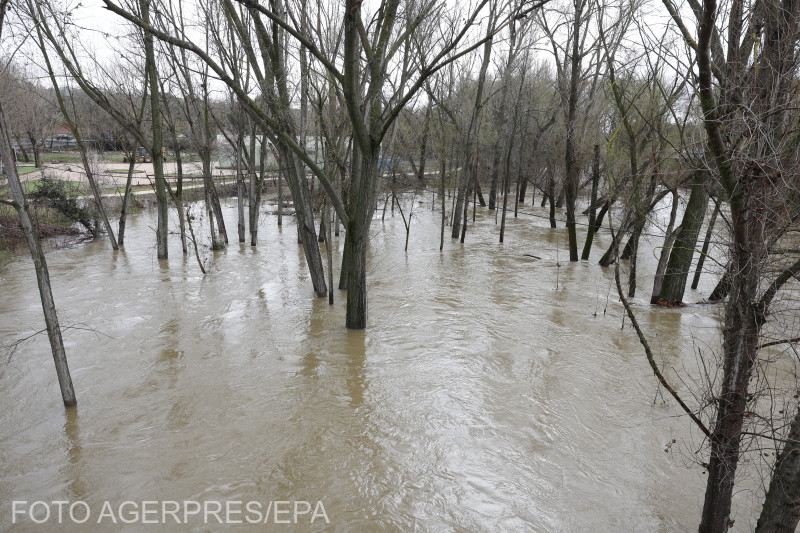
[[400, 265], [491, 392]]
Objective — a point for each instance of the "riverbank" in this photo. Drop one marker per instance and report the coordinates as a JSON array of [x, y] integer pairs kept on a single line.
[[56, 231]]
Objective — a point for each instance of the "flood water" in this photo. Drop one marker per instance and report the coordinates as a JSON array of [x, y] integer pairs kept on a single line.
[[479, 399]]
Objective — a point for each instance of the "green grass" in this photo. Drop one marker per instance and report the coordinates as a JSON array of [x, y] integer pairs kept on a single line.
[[74, 188], [123, 171], [105, 157], [61, 157], [185, 176], [75, 157], [26, 170]]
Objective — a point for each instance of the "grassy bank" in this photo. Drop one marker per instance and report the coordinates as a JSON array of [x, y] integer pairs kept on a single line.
[[74, 188]]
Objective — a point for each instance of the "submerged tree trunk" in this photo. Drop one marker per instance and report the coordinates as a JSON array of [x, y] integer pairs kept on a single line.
[[39, 264], [240, 189], [256, 186], [598, 223], [551, 196], [151, 69], [217, 242], [307, 231], [680, 258], [572, 170], [669, 240], [443, 201], [329, 250], [362, 206], [706, 242], [216, 205], [587, 246], [470, 174], [123, 214], [179, 196], [633, 255], [343, 267], [506, 172]]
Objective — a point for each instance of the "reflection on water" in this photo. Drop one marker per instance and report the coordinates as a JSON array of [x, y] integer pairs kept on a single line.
[[72, 473], [480, 398]]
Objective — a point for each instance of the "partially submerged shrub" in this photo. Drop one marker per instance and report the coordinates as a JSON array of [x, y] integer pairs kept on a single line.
[[54, 194]]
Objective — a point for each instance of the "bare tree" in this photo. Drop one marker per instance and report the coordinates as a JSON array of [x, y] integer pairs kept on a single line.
[[72, 122], [746, 93], [19, 203], [367, 55]]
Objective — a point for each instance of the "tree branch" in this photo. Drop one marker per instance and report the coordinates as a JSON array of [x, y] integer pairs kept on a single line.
[[253, 109], [649, 352], [776, 285]]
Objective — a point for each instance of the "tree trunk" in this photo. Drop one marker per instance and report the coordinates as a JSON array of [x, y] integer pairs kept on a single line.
[[706, 242], [25, 157], [298, 184], [356, 253], [280, 197], [740, 342], [470, 173], [572, 170], [344, 265], [469, 192], [362, 206], [722, 287], [216, 240], [669, 241], [680, 258], [73, 127], [551, 196], [162, 229], [781, 510], [423, 151], [216, 205], [506, 172], [123, 215], [587, 246], [598, 223], [493, 180], [633, 256], [256, 185], [240, 189], [37, 152], [40, 265], [610, 256], [442, 196], [179, 196], [329, 250]]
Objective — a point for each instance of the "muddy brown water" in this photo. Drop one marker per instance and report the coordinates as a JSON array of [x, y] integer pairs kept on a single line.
[[480, 398]]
